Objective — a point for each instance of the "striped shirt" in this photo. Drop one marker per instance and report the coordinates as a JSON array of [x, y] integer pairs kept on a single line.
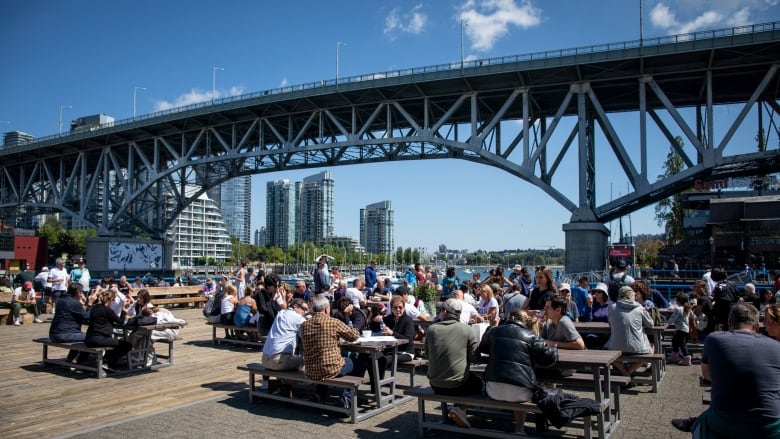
[[321, 353]]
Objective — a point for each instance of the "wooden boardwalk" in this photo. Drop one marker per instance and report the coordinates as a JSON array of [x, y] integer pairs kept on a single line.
[[43, 402]]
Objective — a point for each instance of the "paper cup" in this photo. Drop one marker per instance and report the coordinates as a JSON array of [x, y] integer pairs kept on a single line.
[[366, 333]]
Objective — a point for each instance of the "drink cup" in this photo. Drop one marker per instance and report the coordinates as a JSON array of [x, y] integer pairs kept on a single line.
[[366, 333]]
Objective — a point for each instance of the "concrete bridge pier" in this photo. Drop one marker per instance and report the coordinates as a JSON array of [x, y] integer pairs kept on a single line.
[[586, 246]]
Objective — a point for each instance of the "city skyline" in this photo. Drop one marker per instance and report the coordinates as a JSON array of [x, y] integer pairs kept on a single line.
[[165, 65]]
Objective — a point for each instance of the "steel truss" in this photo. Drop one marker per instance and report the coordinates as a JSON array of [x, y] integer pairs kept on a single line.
[[135, 180]]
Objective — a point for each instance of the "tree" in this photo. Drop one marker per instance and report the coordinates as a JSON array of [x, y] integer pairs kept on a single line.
[[408, 255], [669, 212]]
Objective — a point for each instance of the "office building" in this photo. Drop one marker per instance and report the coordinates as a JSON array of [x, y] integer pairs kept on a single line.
[[315, 220], [236, 203], [376, 228], [280, 213], [16, 138]]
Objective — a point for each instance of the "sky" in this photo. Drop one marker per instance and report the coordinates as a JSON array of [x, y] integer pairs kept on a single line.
[[84, 57]]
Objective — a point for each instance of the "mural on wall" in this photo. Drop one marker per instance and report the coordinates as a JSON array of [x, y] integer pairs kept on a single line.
[[134, 255]]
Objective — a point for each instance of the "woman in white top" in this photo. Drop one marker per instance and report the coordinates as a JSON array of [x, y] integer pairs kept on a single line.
[[239, 280], [488, 305], [227, 308]]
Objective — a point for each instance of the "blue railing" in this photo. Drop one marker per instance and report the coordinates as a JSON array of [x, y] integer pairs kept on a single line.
[[408, 72]]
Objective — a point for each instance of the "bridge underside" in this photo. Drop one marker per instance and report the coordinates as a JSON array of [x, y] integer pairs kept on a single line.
[[530, 119]]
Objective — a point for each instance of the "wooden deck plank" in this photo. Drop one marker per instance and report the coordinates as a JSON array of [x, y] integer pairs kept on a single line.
[[73, 401]]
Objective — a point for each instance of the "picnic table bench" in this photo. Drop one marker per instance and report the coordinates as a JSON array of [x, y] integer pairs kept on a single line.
[[350, 383], [186, 294], [252, 329], [75, 346], [657, 368], [483, 401]]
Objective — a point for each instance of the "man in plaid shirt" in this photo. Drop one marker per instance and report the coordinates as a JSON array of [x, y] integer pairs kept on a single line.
[[321, 352]]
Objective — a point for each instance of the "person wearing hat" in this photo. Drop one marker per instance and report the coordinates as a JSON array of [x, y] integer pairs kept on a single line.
[[571, 307], [516, 274], [451, 346], [24, 297]]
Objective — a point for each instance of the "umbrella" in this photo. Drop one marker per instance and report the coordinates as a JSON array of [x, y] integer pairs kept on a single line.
[[330, 258]]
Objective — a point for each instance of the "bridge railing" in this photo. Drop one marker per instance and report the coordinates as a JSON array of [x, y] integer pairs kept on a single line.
[[453, 66]]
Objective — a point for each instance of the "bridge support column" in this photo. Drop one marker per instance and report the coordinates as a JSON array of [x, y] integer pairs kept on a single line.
[[586, 246]]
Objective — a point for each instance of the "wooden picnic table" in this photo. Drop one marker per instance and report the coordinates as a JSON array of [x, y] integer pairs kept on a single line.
[[598, 361], [603, 328]]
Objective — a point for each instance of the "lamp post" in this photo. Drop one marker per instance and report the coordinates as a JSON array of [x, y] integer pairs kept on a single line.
[[338, 45], [214, 82], [60, 122], [712, 252], [462, 54], [135, 91]]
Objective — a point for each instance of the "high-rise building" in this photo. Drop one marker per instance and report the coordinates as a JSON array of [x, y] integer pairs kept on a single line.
[[280, 213], [376, 228], [315, 220], [199, 232], [260, 237], [236, 203], [15, 138]]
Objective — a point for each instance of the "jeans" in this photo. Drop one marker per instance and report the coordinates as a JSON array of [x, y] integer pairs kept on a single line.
[[68, 337]]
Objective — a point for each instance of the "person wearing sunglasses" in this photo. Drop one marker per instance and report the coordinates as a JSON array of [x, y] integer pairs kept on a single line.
[[281, 343]]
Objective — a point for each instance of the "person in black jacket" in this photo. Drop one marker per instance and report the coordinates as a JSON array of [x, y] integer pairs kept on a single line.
[[101, 328], [515, 348], [269, 300], [66, 325]]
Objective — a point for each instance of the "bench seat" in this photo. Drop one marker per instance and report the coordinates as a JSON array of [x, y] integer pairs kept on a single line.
[[412, 367], [188, 294], [217, 340], [350, 383], [658, 368], [585, 380], [427, 394], [75, 346]]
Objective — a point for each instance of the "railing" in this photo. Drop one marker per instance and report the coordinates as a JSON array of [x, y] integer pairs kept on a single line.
[[409, 72]]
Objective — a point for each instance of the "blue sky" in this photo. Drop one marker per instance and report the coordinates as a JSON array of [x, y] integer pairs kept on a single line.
[[92, 54]]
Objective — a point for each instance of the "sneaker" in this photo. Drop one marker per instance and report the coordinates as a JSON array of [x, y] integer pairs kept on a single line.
[[37, 320], [16, 322], [683, 424], [345, 400], [458, 416]]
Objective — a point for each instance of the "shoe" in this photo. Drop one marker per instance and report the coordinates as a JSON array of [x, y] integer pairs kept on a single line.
[[37, 320], [685, 361], [345, 400], [675, 357], [683, 424], [631, 384], [458, 416], [16, 322]]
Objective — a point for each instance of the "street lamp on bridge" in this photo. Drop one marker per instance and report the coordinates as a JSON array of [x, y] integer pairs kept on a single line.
[[135, 91], [338, 45], [61, 108], [214, 82]]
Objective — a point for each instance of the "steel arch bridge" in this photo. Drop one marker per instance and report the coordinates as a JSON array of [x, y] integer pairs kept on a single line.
[[136, 176]]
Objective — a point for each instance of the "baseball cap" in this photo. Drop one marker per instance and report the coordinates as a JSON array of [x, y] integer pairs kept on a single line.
[[453, 306], [565, 286], [28, 285], [517, 267]]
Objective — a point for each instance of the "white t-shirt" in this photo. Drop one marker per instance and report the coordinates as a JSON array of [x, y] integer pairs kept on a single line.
[[467, 312], [56, 274], [18, 294], [356, 296]]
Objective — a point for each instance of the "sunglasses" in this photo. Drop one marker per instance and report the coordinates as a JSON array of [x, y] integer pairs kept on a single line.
[[398, 307]]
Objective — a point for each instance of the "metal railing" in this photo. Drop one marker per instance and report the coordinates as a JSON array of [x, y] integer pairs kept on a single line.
[[448, 67]]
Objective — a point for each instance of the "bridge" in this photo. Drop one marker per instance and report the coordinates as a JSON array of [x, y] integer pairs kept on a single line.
[[521, 114]]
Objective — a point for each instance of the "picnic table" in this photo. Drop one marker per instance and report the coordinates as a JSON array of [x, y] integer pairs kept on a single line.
[[603, 328]]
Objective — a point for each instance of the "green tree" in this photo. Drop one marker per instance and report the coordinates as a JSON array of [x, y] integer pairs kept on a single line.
[[669, 212], [408, 255]]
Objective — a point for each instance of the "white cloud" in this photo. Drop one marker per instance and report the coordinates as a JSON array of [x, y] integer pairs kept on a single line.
[[283, 83], [706, 15], [488, 20], [196, 96], [412, 22]]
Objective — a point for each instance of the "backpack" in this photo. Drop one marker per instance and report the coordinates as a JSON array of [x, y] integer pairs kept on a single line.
[[614, 285], [212, 306], [655, 315]]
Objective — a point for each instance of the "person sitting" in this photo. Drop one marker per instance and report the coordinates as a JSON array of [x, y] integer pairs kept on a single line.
[[468, 313], [742, 366], [512, 300], [400, 325], [355, 293], [24, 297], [279, 350], [209, 287], [627, 320], [514, 350], [347, 313], [227, 310], [410, 309], [100, 332], [545, 289], [71, 314], [772, 321], [487, 305], [558, 329], [322, 358], [451, 346], [245, 309], [270, 300]]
